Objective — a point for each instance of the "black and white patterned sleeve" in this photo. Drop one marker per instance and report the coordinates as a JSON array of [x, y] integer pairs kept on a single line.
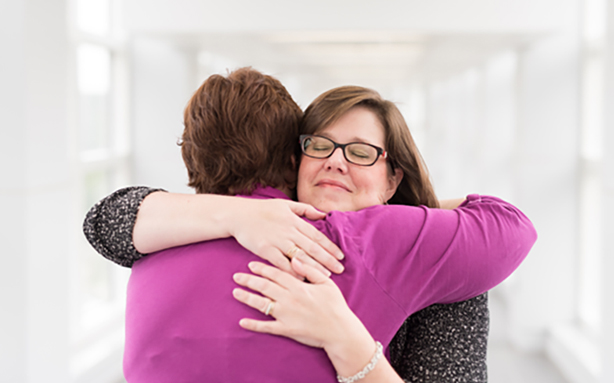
[[108, 225], [444, 343]]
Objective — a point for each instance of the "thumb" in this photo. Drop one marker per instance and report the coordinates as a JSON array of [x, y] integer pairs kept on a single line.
[[312, 274], [307, 211]]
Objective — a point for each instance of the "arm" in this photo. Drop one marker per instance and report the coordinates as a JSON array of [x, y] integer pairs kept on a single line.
[[314, 314], [444, 340], [447, 255], [268, 228], [450, 204], [108, 225]]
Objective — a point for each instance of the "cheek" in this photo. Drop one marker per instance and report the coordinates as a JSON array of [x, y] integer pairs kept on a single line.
[[373, 185], [305, 173], [372, 180]]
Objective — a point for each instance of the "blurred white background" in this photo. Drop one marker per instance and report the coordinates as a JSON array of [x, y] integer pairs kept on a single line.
[[504, 97]]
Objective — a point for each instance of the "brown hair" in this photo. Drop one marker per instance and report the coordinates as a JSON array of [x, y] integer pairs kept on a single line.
[[415, 187], [240, 130]]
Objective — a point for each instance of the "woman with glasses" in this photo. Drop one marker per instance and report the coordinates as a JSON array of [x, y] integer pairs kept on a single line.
[[397, 259]]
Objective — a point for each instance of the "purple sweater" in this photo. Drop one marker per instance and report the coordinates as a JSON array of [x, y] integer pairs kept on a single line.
[[182, 321]]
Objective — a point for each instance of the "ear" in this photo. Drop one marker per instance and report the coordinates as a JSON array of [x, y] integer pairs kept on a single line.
[[393, 183], [291, 175], [293, 160]]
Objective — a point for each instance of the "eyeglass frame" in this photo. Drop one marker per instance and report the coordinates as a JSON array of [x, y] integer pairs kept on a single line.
[[380, 151]]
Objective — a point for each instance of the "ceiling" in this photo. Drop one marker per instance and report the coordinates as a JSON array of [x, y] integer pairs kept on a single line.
[[327, 43], [378, 59]]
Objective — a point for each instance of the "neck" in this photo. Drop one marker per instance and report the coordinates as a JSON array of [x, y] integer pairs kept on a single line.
[[287, 191]]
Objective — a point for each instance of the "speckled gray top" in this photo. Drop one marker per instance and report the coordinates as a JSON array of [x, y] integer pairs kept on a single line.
[[440, 344]]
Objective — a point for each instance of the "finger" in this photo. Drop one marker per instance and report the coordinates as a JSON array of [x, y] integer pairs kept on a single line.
[[311, 241], [267, 327], [279, 260], [307, 211], [314, 234], [319, 254], [252, 300], [304, 258], [320, 239], [264, 286], [312, 274], [275, 277]]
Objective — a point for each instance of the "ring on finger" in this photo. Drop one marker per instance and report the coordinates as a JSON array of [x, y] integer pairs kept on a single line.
[[290, 254], [269, 308]]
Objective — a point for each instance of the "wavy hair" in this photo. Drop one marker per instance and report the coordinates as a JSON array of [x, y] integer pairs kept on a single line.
[[240, 131], [415, 187]]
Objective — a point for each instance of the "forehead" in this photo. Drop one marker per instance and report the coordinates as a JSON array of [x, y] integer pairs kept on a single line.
[[357, 124]]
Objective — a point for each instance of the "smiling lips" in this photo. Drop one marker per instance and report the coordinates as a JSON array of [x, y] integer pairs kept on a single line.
[[332, 183]]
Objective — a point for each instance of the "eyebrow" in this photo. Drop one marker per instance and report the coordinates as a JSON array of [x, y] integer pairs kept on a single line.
[[353, 139]]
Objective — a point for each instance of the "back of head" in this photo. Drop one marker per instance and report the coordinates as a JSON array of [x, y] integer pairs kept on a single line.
[[240, 131], [415, 188]]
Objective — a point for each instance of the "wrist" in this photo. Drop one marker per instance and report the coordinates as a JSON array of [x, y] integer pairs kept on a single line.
[[227, 214], [377, 355], [352, 352]]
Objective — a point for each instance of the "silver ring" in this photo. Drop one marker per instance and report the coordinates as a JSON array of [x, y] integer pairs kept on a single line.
[[269, 308], [292, 251]]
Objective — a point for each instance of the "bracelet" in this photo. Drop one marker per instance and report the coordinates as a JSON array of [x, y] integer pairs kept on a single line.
[[362, 373]]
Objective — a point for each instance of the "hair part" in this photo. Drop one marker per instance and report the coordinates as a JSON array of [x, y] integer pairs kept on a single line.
[[240, 131], [415, 187]]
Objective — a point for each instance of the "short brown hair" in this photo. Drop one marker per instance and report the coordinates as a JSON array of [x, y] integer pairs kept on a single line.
[[240, 131], [415, 187]]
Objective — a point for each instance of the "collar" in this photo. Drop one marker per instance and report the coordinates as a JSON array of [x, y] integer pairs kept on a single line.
[[265, 193]]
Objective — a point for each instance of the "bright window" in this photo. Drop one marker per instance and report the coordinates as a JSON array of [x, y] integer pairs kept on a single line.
[[591, 155], [102, 131]]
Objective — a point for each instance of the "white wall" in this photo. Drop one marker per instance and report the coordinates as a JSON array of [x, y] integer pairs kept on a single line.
[[607, 339], [433, 15], [546, 179], [164, 78], [13, 229], [510, 128], [35, 192]]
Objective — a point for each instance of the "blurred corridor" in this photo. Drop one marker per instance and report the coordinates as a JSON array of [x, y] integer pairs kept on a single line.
[[504, 97]]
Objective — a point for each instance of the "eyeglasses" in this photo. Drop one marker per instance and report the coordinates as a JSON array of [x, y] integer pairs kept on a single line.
[[357, 153]]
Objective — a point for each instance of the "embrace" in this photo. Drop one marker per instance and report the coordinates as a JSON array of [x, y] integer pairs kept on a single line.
[[241, 283]]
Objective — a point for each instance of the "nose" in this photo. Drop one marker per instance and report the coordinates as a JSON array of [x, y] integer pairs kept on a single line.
[[336, 161]]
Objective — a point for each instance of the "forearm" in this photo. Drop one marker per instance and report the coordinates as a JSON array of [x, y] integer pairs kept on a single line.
[[354, 354], [351, 349], [135, 221], [167, 220], [267, 227]]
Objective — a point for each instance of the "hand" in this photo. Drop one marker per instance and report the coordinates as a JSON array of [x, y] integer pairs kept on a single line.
[[450, 204], [272, 228], [314, 314]]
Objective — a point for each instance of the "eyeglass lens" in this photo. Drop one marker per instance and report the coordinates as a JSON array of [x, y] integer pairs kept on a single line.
[[357, 153]]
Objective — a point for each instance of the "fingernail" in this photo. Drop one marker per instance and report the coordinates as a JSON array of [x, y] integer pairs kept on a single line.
[[339, 268], [340, 255]]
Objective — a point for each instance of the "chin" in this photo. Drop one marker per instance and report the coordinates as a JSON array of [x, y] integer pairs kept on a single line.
[[328, 205]]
